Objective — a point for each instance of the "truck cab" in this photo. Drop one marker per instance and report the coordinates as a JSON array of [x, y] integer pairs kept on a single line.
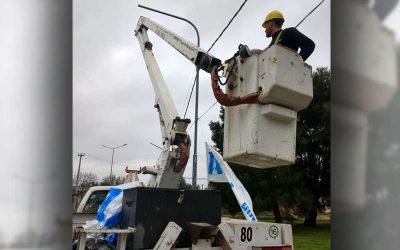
[[92, 200], [89, 205]]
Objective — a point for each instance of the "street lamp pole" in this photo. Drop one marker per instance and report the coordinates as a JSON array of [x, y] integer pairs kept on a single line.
[[112, 160]]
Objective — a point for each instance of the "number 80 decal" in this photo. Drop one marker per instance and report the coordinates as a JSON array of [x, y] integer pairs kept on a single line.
[[246, 234]]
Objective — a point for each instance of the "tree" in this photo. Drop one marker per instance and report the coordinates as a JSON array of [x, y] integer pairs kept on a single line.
[[86, 179], [115, 181], [313, 147], [186, 186]]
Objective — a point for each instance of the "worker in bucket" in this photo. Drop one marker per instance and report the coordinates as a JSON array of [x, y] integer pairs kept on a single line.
[[290, 37]]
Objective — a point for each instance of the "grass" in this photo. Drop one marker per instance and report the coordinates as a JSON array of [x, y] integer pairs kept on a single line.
[[318, 238]]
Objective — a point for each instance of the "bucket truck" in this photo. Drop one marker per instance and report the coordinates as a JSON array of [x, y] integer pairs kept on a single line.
[[170, 166], [260, 135]]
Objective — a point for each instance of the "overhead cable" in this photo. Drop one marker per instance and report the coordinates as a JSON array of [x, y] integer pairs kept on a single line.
[[187, 93], [190, 96], [240, 8], [203, 114], [309, 13]]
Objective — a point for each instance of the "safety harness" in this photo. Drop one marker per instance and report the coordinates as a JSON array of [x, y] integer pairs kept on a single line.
[[278, 38]]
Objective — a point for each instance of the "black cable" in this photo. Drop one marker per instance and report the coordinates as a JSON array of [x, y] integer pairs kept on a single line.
[[99, 158], [187, 94], [309, 13], [203, 115], [190, 96], [240, 8], [207, 110], [229, 74]]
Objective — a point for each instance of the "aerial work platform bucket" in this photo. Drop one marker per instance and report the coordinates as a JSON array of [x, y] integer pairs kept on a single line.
[[264, 135]]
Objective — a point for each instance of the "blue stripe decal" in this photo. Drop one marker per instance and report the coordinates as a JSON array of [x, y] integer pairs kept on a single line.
[[211, 163]]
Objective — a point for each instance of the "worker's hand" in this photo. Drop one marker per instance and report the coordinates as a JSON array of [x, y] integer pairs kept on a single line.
[[214, 73]]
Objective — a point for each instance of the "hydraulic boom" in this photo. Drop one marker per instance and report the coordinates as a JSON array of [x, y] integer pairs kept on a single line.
[[176, 142]]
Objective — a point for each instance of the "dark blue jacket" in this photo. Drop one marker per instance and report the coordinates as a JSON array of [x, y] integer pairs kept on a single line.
[[294, 39]]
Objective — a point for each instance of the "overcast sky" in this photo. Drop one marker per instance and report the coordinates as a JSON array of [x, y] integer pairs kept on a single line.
[[113, 96]]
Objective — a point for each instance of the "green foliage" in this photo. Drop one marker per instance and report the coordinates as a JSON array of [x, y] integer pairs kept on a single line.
[[217, 130], [313, 147], [302, 188]]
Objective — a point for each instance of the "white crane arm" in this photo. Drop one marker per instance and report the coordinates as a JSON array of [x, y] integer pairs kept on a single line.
[[193, 53], [176, 142]]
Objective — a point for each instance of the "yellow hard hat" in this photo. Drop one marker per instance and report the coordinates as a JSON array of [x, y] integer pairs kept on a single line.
[[275, 14]]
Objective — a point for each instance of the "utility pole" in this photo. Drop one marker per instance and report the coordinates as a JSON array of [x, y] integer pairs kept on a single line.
[[196, 115], [79, 169], [112, 160]]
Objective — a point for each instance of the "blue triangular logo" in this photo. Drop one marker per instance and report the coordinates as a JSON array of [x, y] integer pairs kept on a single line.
[[213, 165]]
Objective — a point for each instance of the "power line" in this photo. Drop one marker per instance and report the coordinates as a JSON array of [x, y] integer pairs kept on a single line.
[[155, 145], [309, 13], [187, 92], [207, 110], [203, 114], [99, 158], [240, 8], [190, 97]]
